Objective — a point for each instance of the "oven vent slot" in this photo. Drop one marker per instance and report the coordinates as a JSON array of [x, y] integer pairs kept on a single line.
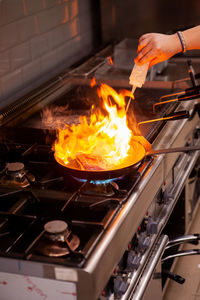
[[14, 108], [29, 101]]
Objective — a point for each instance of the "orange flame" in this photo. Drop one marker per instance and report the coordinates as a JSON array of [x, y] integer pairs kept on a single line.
[[109, 60], [102, 143], [93, 82]]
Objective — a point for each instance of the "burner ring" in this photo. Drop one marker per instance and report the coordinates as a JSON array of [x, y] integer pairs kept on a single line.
[[56, 226], [14, 174], [58, 240], [15, 167], [56, 230], [15, 171]]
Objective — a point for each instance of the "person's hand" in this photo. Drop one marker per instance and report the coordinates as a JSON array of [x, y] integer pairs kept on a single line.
[[156, 47]]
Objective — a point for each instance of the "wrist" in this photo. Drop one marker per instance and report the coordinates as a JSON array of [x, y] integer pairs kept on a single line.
[[182, 41], [177, 44]]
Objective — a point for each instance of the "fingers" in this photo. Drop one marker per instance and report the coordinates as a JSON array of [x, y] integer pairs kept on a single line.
[[144, 36], [155, 47], [153, 62], [144, 48], [144, 55], [143, 42]]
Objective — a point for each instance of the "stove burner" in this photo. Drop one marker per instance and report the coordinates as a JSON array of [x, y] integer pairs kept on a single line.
[[57, 240], [92, 188], [15, 167], [105, 181], [16, 175], [56, 230], [106, 188]]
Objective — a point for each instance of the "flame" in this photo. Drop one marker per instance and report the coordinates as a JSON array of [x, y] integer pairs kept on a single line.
[[109, 60], [105, 141], [93, 82]]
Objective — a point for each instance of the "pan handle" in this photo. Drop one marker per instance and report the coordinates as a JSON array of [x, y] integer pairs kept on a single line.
[[174, 150]]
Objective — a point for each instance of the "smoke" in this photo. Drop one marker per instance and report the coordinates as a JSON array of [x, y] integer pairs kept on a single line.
[[55, 117]]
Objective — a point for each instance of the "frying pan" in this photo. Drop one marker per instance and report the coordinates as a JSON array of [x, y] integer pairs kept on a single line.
[[115, 173], [142, 150]]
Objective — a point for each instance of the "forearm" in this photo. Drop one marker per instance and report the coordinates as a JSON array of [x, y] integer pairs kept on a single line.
[[192, 38]]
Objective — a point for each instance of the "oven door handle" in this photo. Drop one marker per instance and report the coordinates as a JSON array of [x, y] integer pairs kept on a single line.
[[181, 253], [150, 267], [189, 238]]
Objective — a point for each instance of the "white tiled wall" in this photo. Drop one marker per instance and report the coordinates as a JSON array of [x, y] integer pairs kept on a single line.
[[38, 38]]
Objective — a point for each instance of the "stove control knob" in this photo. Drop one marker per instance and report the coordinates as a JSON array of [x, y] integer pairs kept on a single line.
[[167, 196], [197, 132], [152, 226], [143, 242], [120, 286], [133, 261]]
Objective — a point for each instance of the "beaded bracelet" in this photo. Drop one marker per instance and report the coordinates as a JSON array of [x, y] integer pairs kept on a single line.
[[182, 40]]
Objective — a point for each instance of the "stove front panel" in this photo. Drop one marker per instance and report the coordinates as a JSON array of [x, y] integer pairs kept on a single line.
[[29, 287]]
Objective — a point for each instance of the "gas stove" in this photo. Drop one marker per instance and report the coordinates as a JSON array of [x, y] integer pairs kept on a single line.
[[35, 193], [86, 239]]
